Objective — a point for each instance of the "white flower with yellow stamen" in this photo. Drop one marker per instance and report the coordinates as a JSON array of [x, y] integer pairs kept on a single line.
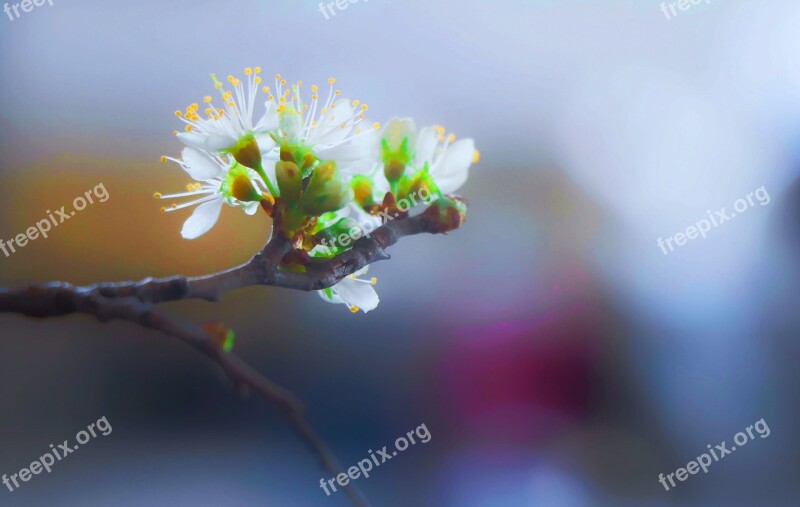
[[329, 130], [356, 293], [404, 152], [232, 128], [218, 180], [448, 160]]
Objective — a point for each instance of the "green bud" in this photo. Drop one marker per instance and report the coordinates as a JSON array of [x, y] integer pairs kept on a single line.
[[362, 190], [445, 215], [397, 151], [290, 181], [325, 192]]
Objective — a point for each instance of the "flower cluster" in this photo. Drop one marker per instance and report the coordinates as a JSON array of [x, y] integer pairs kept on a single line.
[[317, 166]]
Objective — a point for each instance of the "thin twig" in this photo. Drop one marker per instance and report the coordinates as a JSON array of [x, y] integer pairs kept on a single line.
[[134, 302]]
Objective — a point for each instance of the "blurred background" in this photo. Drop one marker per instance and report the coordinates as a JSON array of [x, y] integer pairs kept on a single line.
[[556, 355]]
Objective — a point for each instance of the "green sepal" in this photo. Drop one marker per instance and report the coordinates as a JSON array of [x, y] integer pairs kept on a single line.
[[238, 185]]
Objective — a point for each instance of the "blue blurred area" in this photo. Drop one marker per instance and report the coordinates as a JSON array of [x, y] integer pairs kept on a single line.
[[557, 356]]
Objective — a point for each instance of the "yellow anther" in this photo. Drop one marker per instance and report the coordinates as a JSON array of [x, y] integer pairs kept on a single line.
[[277, 77], [173, 205], [356, 103], [271, 97], [188, 128], [360, 116], [314, 97], [451, 138], [248, 71], [314, 88], [190, 187], [299, 84], [174, 132], [337, 92], [331, 80], [257, 80], [352, 277], [373, 280], [476, 157], [283, 82], [231, 79], [207, 99], [163, 209], [353, 309], [257, 70], [178, 114], [157, 195], [376, 125], [265, 89], [163, 158], [364, 107]]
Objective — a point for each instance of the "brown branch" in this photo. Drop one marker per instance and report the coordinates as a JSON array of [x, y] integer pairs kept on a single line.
[[134, 302]]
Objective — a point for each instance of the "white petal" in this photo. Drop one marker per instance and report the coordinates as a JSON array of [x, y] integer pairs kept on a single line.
[[356, 293], [200, 166], [220, 142], [452, 171], [426, 147], [203, 219], [251, 207], [270, 119], [330, 131], [397, 129], [193, 139], [333, 299], [265, 143]]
